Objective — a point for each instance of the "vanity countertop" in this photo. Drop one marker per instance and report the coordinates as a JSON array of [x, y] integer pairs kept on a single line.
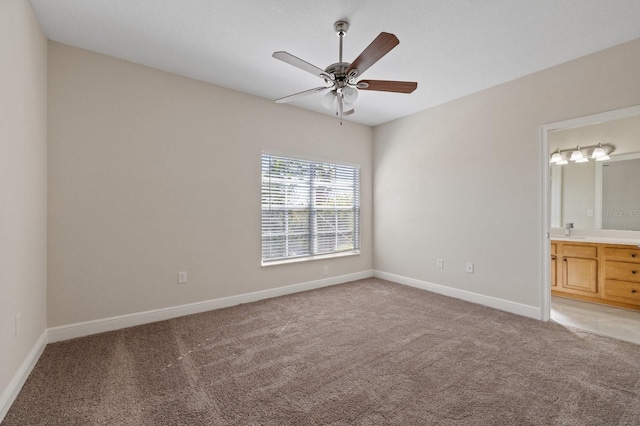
[[593, 239]]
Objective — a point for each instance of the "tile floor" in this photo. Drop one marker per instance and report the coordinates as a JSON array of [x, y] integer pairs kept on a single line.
[[619, 323]]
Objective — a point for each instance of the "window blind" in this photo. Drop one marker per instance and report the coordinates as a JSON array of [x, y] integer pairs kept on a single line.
[[308, 208]]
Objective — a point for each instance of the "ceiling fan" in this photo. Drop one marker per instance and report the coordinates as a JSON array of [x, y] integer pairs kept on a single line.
[[340, 78]]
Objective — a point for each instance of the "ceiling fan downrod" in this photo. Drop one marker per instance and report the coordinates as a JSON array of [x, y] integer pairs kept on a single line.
[[341, 28]]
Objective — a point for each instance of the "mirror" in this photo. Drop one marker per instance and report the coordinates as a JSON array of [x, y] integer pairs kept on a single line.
[[598, 195], [621, 194]]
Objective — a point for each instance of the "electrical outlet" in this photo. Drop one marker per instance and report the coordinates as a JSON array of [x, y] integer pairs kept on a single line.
[[325, 270], [17, 324], [469, 268], [440, 263], [182, 277]]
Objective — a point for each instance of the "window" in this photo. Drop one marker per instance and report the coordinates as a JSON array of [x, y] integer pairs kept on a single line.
[[308, 209]]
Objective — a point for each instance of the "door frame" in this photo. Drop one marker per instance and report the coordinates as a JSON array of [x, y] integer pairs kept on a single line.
[[545, 130]]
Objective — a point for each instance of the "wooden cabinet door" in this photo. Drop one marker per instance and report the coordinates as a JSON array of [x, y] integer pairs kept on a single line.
[[554, 265], [580, 275]]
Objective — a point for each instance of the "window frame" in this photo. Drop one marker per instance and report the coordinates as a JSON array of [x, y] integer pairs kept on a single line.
[[313, 212]]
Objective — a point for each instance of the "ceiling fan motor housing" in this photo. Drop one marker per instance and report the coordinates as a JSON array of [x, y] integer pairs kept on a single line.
[[339, 71]]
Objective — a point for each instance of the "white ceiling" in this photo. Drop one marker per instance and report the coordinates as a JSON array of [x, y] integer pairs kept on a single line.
[[451, 48]]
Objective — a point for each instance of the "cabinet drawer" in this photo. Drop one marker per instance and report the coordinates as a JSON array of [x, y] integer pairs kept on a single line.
[[575, 250], [623, 254], [622, 271], [622, 291]]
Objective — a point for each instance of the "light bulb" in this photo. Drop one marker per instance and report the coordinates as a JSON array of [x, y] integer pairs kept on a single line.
[[329, 100], [349, 94]]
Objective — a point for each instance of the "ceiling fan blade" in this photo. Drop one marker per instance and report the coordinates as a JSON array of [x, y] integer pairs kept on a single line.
[[303, 65], [379, 47], [388, 86], [300, 94]]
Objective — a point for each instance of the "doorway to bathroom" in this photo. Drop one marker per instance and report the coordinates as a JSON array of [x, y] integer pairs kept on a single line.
[[589, 280]]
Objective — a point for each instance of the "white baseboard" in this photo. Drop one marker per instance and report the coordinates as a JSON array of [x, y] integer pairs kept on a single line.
[[71, 331], [492, 302], [12, 390]]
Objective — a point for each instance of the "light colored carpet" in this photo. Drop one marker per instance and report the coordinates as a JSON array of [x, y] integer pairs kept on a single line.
[[369, 352]]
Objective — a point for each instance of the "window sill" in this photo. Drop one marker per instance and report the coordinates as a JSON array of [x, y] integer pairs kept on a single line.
[[309, 258]]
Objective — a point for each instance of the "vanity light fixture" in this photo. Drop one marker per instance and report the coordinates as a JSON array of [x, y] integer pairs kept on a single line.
[[599, 152]]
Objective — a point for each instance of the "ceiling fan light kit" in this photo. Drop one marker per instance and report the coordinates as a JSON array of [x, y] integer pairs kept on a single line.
[[340, 77]]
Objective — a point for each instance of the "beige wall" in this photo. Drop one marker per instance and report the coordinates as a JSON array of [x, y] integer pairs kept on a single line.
[[462, 181], [23, 185], [151, 173]]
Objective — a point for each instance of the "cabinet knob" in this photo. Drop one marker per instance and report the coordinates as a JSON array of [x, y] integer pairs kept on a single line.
[[633, 255], [634, 291], [634, 272]]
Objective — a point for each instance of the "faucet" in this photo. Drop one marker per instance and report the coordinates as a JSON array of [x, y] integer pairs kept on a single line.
[[567, 229]]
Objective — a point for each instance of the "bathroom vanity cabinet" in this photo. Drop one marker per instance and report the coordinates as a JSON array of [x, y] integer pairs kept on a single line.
[[596, 272]]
